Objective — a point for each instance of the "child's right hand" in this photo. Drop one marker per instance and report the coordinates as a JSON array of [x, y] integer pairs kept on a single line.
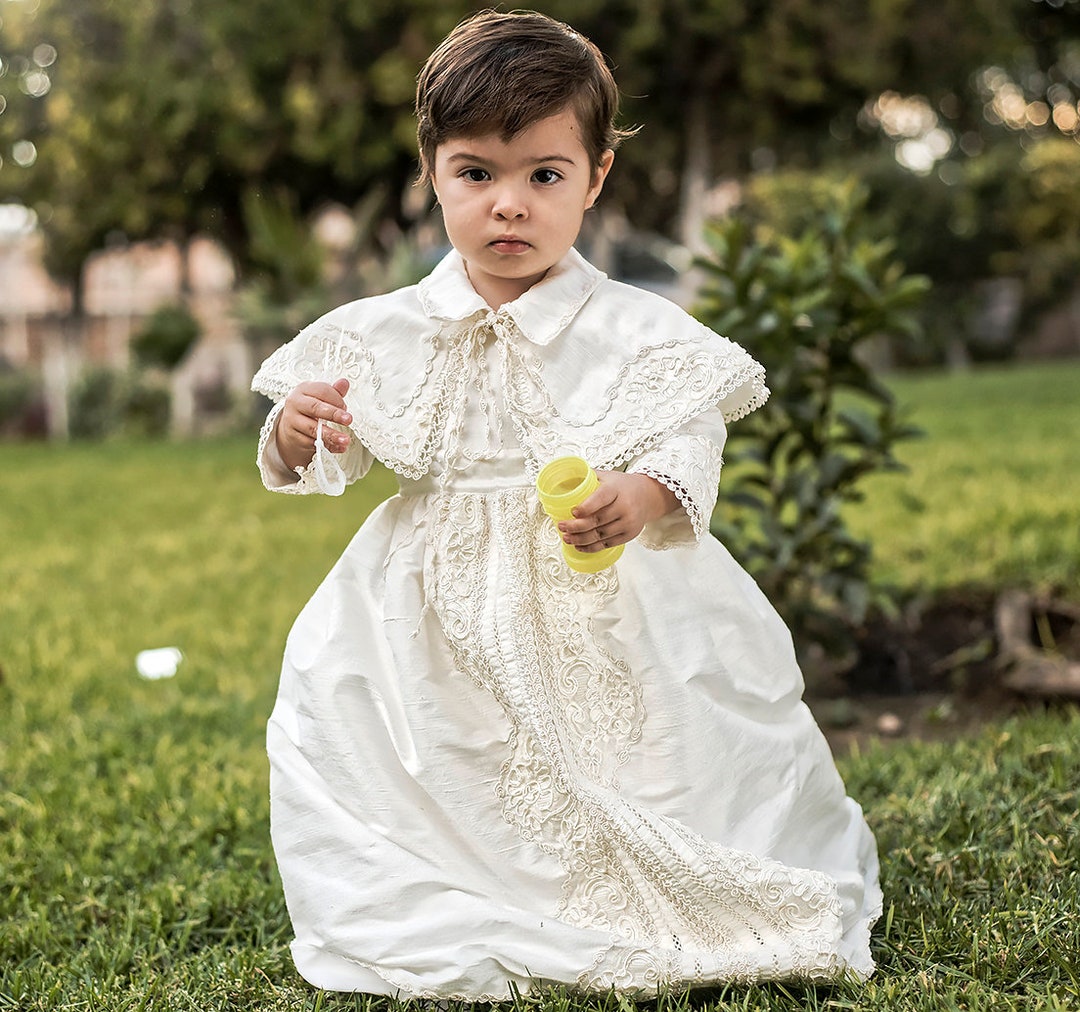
[[298, 423]]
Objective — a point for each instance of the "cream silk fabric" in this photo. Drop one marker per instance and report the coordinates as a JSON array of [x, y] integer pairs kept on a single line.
[[488, 771]]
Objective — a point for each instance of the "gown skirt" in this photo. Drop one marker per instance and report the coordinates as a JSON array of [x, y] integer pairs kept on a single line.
[[489, 772]]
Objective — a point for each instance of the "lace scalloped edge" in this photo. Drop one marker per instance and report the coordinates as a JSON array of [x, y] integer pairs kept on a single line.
[[306, 482], [267, 430], [754, 375], [685, 500], [751, 373]]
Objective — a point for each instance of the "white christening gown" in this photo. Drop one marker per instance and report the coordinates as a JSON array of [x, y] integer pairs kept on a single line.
[[489, 771]]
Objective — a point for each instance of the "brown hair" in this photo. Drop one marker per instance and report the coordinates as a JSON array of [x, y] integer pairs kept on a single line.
[[501, 73]]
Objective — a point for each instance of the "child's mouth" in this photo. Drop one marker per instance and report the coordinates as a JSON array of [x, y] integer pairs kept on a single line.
[[510, 246]]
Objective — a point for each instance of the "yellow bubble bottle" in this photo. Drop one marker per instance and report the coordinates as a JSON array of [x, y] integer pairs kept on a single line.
[[561, 485]]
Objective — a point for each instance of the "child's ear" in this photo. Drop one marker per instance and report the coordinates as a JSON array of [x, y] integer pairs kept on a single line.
[[600, 174]]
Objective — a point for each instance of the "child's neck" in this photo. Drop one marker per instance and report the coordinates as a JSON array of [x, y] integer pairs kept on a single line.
[[496, 291]]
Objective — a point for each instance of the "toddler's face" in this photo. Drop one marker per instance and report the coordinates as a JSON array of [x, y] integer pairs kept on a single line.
[[513, 208]]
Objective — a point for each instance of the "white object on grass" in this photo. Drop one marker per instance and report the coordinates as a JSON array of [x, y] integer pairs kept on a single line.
[[161, 662]]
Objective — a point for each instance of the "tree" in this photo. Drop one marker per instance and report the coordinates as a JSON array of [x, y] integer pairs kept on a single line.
[[24, 81], [728, 86], [167, 116]]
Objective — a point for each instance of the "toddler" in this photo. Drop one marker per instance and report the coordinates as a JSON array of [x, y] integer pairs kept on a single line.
[[490, 771]]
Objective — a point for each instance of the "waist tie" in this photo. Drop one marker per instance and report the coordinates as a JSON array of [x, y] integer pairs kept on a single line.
[[464, 483]]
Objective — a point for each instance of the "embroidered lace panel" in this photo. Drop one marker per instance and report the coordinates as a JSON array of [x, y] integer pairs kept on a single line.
[[651, 396], [679, 909]]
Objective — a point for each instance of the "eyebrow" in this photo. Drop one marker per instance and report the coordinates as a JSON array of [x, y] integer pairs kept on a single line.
[[464, 156]]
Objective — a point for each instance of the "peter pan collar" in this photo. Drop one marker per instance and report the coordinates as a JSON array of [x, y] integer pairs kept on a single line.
[[541, 313]]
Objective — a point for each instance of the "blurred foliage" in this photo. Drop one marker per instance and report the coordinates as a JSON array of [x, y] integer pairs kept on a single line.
[[288, 288], [806, 307], [297, 277], [92, 404], [167, 118], [1009, 212], [106, 402], [146, 406], [165, 338], [21, 407], [741, 82], [195, 105], [281, 244], [1044, 216]]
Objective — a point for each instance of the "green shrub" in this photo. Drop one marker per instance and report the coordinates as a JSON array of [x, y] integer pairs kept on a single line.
[[1010, 214], [287, 288], [94, 404], [145, 407], [165, 338], [807, 307], [21, 403], [105, 402]]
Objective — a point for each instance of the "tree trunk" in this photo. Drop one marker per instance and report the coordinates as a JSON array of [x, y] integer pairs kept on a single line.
[[61, 356], [56, 380], [183, 249], [693, 191], [695, 174]]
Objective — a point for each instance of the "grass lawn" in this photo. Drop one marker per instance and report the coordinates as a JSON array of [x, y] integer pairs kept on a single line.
[[992, 495], [135, 863]]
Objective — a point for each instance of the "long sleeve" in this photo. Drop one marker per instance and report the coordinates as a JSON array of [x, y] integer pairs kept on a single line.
[[688, 462], [328, 473]]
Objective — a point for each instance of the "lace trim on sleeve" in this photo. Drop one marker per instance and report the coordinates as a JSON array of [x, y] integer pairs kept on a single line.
[[275, 475], [689, 465], [327, 473]]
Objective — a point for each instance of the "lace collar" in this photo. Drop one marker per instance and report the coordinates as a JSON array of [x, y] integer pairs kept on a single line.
[[541, 313]]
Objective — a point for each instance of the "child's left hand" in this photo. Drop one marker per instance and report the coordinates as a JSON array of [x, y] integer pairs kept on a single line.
[[617, 511]]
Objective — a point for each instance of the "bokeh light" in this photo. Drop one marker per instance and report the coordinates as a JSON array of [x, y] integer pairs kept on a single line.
[[16, 220], [23, 153], [1067, 117], [36, 84], [910, 120], [1008, 104], [44, 55]]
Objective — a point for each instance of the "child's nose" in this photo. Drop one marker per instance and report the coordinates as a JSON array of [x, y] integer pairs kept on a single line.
[[509, 203]]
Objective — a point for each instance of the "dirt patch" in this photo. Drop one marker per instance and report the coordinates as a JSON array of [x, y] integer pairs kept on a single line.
[[934, 675]]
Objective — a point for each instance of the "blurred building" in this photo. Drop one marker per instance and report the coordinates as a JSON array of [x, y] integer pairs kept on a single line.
[[30, 301], [122, 286]]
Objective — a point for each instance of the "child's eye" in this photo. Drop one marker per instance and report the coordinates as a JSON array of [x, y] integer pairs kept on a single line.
[[546, 176], [475, 175]]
